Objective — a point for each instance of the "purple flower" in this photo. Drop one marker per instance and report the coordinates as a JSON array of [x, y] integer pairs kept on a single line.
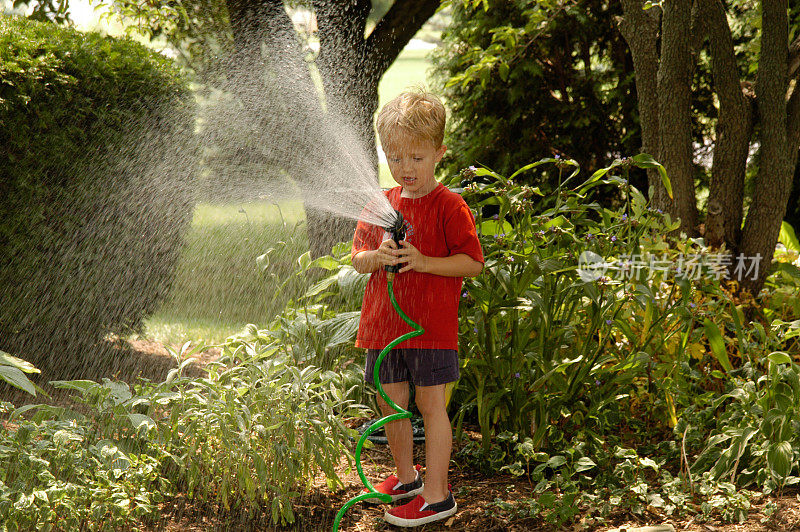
[[475, 329], [464, 293], [613, 238], [609, 322], [495, 217], [692, 305], [473, 168], [516, 375], [625, 216], [510, 259]]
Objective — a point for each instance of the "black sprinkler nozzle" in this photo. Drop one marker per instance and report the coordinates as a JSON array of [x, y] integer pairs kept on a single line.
[[398, 232]]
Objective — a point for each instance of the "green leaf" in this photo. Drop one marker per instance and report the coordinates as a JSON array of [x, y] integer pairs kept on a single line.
[[779, 357], [22, 365], [547, 499], [79, 385], [717, 343], [584, 464], [63, 436], [140, 420], [779, 459], [788, 237], [326, 263], [644, 160], [14, 376]]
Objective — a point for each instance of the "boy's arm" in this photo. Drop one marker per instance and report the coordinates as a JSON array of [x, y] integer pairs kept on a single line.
[[365, 261], [368, 261], [458, 265]]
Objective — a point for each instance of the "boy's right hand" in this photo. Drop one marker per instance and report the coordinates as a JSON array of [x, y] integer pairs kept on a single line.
[[385, 254]]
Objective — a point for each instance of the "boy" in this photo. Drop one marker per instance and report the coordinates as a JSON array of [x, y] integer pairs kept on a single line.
[[441, 248]]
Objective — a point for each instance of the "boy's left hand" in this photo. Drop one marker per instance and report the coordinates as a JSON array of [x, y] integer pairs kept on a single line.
[[412, 257]]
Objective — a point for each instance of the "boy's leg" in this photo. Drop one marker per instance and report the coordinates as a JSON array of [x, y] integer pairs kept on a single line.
[[398, 433], [438, 441]]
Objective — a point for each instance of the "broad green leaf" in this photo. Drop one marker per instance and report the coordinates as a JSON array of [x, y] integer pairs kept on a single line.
[[779, 459], [547, 499], [644, 160], [22, 365], [584, 464], [63, 436], [779, 357], [717, 343], [326, 263], [140, 420], [15, 377], [788, 237], [79, 385]]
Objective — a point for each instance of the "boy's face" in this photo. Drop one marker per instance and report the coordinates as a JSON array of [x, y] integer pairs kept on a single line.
[[412, 163]]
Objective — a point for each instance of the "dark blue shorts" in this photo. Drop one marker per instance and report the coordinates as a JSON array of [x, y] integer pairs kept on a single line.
[[423, 367]]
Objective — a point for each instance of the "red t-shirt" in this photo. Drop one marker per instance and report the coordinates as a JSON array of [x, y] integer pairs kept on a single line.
[[438, 224]]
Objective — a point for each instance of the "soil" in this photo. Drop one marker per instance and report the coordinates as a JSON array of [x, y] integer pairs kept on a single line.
[[474, 492]]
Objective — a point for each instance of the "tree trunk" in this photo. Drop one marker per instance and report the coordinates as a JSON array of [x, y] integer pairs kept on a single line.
[[351, 92], [352, 66], [640, 30], [734, 128], [774, 179], [674, 113]]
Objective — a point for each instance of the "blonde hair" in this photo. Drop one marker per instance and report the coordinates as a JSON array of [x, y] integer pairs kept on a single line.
[[414, 114]]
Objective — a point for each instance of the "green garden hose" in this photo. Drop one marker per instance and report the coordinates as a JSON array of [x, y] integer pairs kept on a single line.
[[401, 413]]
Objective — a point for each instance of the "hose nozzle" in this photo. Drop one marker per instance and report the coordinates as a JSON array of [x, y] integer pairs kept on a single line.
[[398, 232]]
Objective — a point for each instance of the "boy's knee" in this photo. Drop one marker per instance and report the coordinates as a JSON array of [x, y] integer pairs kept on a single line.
[[428, 405], [384, 407]]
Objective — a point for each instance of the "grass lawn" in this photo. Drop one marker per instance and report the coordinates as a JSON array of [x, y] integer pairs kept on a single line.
[[218, 287]]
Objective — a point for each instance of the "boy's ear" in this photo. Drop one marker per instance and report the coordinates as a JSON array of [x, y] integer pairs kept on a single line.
[[440, 152]]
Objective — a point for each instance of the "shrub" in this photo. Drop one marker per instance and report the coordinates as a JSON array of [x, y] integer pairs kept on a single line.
[[245, 441], [522, 83], [96, 135]]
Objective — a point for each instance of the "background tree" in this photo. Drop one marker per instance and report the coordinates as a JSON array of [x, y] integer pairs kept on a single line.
[[664, 42], [526, 80], [232, 44], [358, 42]]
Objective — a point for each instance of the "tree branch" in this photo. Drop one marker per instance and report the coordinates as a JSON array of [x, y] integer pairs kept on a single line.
[[395, 29]]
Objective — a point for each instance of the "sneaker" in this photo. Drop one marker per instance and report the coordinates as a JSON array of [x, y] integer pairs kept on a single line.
[[418, 512], [392, 486]]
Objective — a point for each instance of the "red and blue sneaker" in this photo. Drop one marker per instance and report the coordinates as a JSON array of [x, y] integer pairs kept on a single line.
[[392, 486], [418, 512]]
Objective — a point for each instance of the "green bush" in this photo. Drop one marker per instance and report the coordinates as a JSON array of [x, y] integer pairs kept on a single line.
[[246, 441], [97, 135], [539, 354], [526, 80]]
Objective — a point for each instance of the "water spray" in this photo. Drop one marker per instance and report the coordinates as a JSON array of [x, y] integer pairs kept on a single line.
[[398, 233]]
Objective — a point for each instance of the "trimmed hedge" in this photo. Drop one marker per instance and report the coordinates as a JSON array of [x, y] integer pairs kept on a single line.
[[96, 137]]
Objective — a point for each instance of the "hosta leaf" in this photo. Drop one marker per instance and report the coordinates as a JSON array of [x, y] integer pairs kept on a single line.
[[15, 377]]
